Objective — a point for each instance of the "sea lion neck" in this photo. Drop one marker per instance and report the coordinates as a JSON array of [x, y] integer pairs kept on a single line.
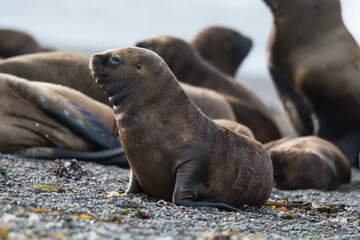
[[304, 24], [141, 102], [301, 19]]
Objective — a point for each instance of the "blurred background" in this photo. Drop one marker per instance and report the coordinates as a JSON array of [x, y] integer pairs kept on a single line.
[[95, 26]]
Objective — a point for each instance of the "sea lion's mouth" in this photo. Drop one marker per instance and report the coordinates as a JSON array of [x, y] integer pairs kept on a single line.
[[97, 70], [99, 76]]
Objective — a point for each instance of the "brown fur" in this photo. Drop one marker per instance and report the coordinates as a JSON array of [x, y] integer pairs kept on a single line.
[[196, 161], [14, 43], [72, 69], [189, 67], [223, 47], [65, 68], [25, 124], [315, 64], [213, 104], [308, 162], [237, 128]]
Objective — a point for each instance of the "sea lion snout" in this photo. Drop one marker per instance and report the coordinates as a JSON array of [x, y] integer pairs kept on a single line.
[[97, 64], [245, 45]]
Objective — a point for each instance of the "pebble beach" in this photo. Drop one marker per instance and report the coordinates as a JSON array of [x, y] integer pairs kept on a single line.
[[37, 203], [41, 199]]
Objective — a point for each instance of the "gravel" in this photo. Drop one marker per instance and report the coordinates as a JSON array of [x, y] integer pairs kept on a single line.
[[83, 209]]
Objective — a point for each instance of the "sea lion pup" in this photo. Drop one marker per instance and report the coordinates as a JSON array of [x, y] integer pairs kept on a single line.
[[308, 162], [189, 67], [197, 162], [223, 47], [236, 127], [314, 62], [43, 120], [14, 43], [72, 69]]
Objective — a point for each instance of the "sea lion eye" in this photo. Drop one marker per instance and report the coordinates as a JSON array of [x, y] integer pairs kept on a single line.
[[115, 60]]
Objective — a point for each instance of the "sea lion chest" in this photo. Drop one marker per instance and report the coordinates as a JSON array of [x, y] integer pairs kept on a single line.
[[156, 145]]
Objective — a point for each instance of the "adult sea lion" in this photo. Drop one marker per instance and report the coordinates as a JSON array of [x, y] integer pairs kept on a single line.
[[308, 162], [44, 120], [72, 69], [189, 67], [14, 43], [223, 47], [315, 64], [197, 162]]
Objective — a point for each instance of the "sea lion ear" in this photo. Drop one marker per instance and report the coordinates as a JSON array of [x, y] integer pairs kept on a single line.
[[139, 66]]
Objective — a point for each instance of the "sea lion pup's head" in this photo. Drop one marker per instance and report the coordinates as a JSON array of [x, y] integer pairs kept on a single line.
[[117, 74], [223, 47]]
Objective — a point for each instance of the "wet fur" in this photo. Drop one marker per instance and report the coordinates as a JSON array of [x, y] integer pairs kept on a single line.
[[47, 116]]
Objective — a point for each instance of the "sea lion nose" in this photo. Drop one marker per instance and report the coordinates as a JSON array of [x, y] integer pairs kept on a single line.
[[96, 60]]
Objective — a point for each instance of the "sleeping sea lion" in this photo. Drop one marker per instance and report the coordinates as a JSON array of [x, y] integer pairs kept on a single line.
[[308, 162], [189, 67], [72, 69], [223, 47], [197, 162], [315, 64], [65, 68], [14, 43], [43, 120]]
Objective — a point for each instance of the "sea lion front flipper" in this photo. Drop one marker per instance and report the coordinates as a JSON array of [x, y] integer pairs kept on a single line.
[[296, 106], [71, 115], [114, 156], [187, 183], [134, 186]]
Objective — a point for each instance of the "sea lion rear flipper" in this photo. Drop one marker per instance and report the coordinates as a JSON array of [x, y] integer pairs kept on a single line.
[[71, 115], [134, 186], [298, 109], [115, 156], [187, 182]]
